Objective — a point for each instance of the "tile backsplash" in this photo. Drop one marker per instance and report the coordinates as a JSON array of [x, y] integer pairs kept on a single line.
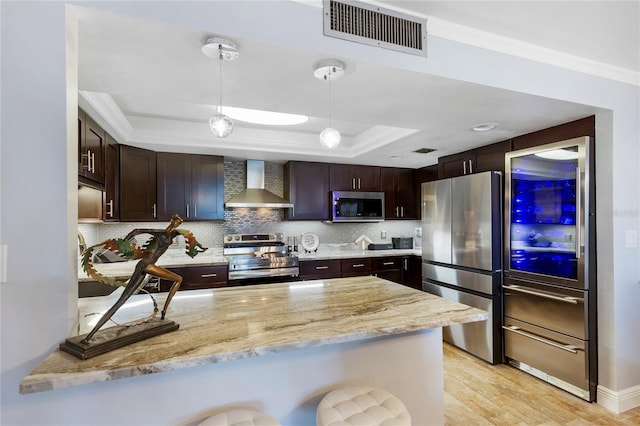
[[210, 234]]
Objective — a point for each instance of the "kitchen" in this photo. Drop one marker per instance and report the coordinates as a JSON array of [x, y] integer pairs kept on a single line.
[[53, 261]]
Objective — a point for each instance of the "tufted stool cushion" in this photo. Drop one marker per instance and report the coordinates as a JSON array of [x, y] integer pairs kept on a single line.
[[240, 418], [362, 406]]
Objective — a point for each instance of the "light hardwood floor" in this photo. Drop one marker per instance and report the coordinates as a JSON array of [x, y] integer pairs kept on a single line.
[[477, 393]]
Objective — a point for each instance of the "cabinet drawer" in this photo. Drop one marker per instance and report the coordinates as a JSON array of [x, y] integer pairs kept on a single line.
[[555, 354], [355, 267], [206, 276], [310, 269], [386, 263], [559, 309]]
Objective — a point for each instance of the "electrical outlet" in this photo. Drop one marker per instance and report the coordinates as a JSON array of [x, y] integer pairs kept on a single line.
[[631, 239]]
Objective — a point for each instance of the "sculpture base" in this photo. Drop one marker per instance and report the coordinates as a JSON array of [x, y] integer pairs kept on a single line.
[[116, 337]]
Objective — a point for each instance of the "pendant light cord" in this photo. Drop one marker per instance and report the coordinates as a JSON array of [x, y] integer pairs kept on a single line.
[[331, 69], [220, 79]]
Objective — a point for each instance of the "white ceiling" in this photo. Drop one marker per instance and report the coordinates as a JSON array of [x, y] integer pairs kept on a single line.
[[154, 88]]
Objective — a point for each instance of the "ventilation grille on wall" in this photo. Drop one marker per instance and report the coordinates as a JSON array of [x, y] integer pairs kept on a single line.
[[424, 150], [367, 24]]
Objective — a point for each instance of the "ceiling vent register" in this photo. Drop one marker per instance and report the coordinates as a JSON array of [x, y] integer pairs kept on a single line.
[[372, 25]]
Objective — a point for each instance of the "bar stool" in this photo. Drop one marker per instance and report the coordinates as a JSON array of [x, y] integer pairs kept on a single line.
[[361, 405], [240, 417]]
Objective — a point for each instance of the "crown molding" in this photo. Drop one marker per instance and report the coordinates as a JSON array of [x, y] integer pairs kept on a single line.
[[106, 107]]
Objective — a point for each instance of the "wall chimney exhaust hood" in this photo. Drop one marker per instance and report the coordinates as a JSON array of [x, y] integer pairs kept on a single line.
[[255, 196]]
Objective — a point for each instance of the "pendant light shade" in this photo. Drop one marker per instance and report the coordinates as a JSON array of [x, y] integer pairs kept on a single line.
[[330, 138], [222, 49], [221, 125], [329, 70]]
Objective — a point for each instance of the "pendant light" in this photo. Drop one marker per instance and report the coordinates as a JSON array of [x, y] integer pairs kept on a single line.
[[222, 49], [329, 70]]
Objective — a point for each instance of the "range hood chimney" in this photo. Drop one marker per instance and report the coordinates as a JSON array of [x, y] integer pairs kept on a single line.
[[255, 195]]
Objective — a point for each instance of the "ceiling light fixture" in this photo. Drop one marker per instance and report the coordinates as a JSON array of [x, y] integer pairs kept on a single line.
[[328, 70], [269, 118], [484, 127], [222, 49]]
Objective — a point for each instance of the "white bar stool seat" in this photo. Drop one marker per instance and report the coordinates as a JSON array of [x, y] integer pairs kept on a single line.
[[361, 406], [240, 418]]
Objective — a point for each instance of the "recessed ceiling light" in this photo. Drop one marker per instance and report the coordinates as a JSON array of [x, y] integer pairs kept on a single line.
[[484, 127], [269, 118]]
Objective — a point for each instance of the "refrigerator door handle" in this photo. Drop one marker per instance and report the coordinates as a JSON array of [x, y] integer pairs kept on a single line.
[[578, 211], [517, 330], [565, 299]]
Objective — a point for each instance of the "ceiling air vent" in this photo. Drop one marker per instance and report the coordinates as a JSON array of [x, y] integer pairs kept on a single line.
[[424, 150], [368, 24]]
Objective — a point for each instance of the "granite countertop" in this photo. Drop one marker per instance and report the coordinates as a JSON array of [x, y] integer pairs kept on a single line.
[[351, 250], [219, 326], [176, 257], [173, 258]]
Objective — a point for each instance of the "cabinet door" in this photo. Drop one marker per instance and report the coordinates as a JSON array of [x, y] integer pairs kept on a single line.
[[307, 187], [95, 148], [207, 188], [137, 184], [400, 196], [341, 178], [367, 178], [82, 157], [407, 194], [173, 184], [454, 165], [491, 157], [111, 181], [412, 272]]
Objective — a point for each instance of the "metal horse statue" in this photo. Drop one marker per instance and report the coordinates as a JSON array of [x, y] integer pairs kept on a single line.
[[148, 254]]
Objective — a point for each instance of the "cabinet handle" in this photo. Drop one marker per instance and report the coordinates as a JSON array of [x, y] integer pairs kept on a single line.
[[358, 183], [401, 211], [470, 166], [564, 299], [187, 210], [514, 329], [208, 275], [110, 210], [154, 209], [358, 265], [388, 263], [195, 210], [464, 167], [353, 183], [321, 267], [396, 211], [405, 263]]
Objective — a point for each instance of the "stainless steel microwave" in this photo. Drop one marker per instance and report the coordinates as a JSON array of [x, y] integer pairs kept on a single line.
[[351, 206]]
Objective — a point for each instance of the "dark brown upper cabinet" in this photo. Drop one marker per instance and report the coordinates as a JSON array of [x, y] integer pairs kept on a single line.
[[400, 193], [137, 184], [490, 157], [190, 185], [351, 177], [91, 150], [111, 180], [306, 185]]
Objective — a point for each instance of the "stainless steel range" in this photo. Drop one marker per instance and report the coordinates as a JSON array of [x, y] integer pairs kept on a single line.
[[259, 258]]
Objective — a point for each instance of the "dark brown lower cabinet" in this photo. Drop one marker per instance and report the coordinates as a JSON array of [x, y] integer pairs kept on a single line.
[[199, 277], [320, 269]]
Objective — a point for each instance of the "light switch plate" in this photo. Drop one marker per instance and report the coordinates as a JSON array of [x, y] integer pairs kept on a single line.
[[631, 239], [3, 263]]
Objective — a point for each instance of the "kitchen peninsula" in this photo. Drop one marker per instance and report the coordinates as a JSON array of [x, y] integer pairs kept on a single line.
[[276, 347]]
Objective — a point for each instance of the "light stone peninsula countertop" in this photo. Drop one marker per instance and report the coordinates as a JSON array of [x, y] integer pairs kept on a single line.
[[233, 323], [176, 257]]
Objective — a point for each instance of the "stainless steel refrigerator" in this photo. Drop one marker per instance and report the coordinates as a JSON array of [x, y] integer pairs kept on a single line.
[[462, 255], [549, 279]]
